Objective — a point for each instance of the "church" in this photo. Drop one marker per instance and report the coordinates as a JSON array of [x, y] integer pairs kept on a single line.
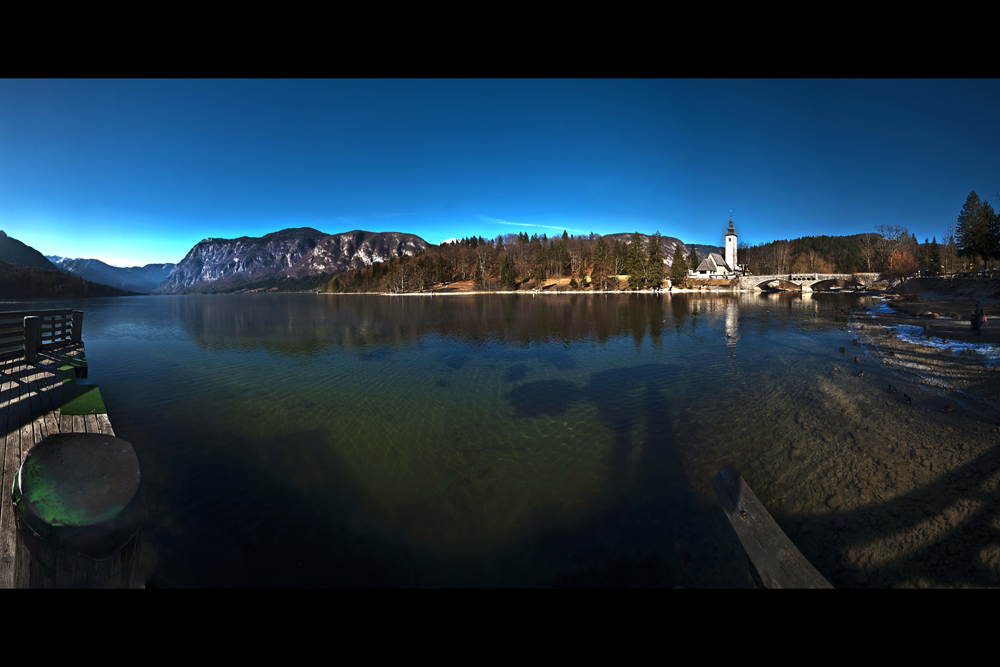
[[717, 266]]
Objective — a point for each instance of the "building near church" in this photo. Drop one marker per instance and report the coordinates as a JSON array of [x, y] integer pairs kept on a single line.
[[717, 266]]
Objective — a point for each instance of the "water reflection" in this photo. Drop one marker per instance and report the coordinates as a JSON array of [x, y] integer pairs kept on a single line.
[[472, 440]]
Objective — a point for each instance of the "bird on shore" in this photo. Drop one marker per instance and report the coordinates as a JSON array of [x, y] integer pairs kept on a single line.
[[907, 399], [861, 374], [836, 370], [950, 407], [856, 361], [893, 390]]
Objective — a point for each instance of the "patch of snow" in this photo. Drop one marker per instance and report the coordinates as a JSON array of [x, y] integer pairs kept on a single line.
[[913, 334], [882, 308]]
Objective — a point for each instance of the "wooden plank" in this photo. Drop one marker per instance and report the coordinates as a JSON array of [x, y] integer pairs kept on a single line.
[[778, 562], [78, 424], [11, 462], [105, 424], [7, 557], [66, 424], [49, 395], [90, 422], [12, 345]]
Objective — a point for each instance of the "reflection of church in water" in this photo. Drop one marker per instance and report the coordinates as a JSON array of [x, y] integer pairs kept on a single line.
[[732, 327]]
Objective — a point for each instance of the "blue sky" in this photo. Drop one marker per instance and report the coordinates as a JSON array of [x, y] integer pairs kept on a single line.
[[133, 172]]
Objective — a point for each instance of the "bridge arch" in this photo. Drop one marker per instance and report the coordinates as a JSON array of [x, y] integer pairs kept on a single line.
[[830, 283], [778, 283]]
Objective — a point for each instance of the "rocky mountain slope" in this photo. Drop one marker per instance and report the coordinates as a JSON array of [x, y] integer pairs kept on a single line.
[[12, 250], [216, 265], [142, 279]]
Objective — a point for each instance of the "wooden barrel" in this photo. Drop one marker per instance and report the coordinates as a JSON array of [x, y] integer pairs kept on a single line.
[[79, 514]]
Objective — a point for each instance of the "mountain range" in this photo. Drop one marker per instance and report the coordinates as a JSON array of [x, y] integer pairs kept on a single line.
[[142, 279], [290, 259]]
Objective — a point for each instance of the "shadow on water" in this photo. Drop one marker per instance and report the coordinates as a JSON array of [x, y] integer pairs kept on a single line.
[[649, 525]]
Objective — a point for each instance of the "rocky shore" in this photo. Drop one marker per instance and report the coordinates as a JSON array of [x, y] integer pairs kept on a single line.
[[904, 488]]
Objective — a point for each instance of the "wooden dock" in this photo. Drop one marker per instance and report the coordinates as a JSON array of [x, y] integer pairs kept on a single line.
[[30, 406]]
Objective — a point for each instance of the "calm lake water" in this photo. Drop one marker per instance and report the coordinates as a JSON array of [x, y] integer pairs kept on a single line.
[[483, 441]]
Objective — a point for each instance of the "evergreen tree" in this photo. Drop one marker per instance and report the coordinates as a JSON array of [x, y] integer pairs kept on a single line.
[[439, 270], [539, 275], [976, 232], [692, 261], [506, 273], [935, 256], [679, 269], [477, 276], [601, 264], [636, 266], [654, 265]]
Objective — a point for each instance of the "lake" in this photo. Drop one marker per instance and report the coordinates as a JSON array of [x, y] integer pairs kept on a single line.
[[305, 440]]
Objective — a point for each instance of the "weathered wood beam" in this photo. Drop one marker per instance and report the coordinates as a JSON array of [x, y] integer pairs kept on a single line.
[[777, 561]]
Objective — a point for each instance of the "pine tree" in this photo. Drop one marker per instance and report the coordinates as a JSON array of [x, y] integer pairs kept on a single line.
[[636, 266], [506, 273], [974, 228], [679, 269], [601, 264], [935, 256], [692, 261], [439, 270], [654, 265]]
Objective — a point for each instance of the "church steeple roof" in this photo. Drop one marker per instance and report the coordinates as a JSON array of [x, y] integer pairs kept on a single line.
[[731, 231]]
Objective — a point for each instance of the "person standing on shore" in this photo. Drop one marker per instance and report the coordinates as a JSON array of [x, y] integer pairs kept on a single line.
[[977, 319]]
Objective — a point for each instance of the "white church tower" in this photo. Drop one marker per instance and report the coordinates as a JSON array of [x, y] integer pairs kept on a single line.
[[731, 246]]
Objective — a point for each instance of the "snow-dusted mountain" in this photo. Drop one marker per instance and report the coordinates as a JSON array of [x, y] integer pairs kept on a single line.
[[215, 265]]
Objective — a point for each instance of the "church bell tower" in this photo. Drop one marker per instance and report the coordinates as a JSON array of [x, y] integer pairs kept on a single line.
[[731, 246]]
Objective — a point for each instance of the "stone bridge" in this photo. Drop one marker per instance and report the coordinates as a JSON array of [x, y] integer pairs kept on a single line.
[[809, 281]]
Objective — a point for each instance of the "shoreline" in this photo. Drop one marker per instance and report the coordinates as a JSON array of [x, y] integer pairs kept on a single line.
[[575, 292], [940, 353]]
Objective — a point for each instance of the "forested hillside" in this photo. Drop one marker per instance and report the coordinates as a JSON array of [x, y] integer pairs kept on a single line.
[[517, 261], [18, 281]]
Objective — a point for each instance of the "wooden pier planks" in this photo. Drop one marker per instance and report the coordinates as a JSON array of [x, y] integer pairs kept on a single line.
[[13, 418], [777, 561], [30, 399]]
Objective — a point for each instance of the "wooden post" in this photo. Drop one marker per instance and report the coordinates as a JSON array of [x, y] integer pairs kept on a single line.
[[32, 338], [77, 330]]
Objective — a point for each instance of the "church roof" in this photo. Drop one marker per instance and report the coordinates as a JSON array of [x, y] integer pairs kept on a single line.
[[713, 263], [730, 231]]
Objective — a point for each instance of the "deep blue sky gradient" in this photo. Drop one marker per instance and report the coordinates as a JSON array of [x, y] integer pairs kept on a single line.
[[132, 172]]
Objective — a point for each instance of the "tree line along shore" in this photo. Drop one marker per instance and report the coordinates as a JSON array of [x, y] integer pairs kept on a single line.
[[590, 263]]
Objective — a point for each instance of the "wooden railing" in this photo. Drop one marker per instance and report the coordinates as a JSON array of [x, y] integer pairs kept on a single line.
[[27, 331]]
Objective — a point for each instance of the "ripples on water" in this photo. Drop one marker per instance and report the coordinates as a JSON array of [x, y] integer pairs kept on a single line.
[[329, 440]]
